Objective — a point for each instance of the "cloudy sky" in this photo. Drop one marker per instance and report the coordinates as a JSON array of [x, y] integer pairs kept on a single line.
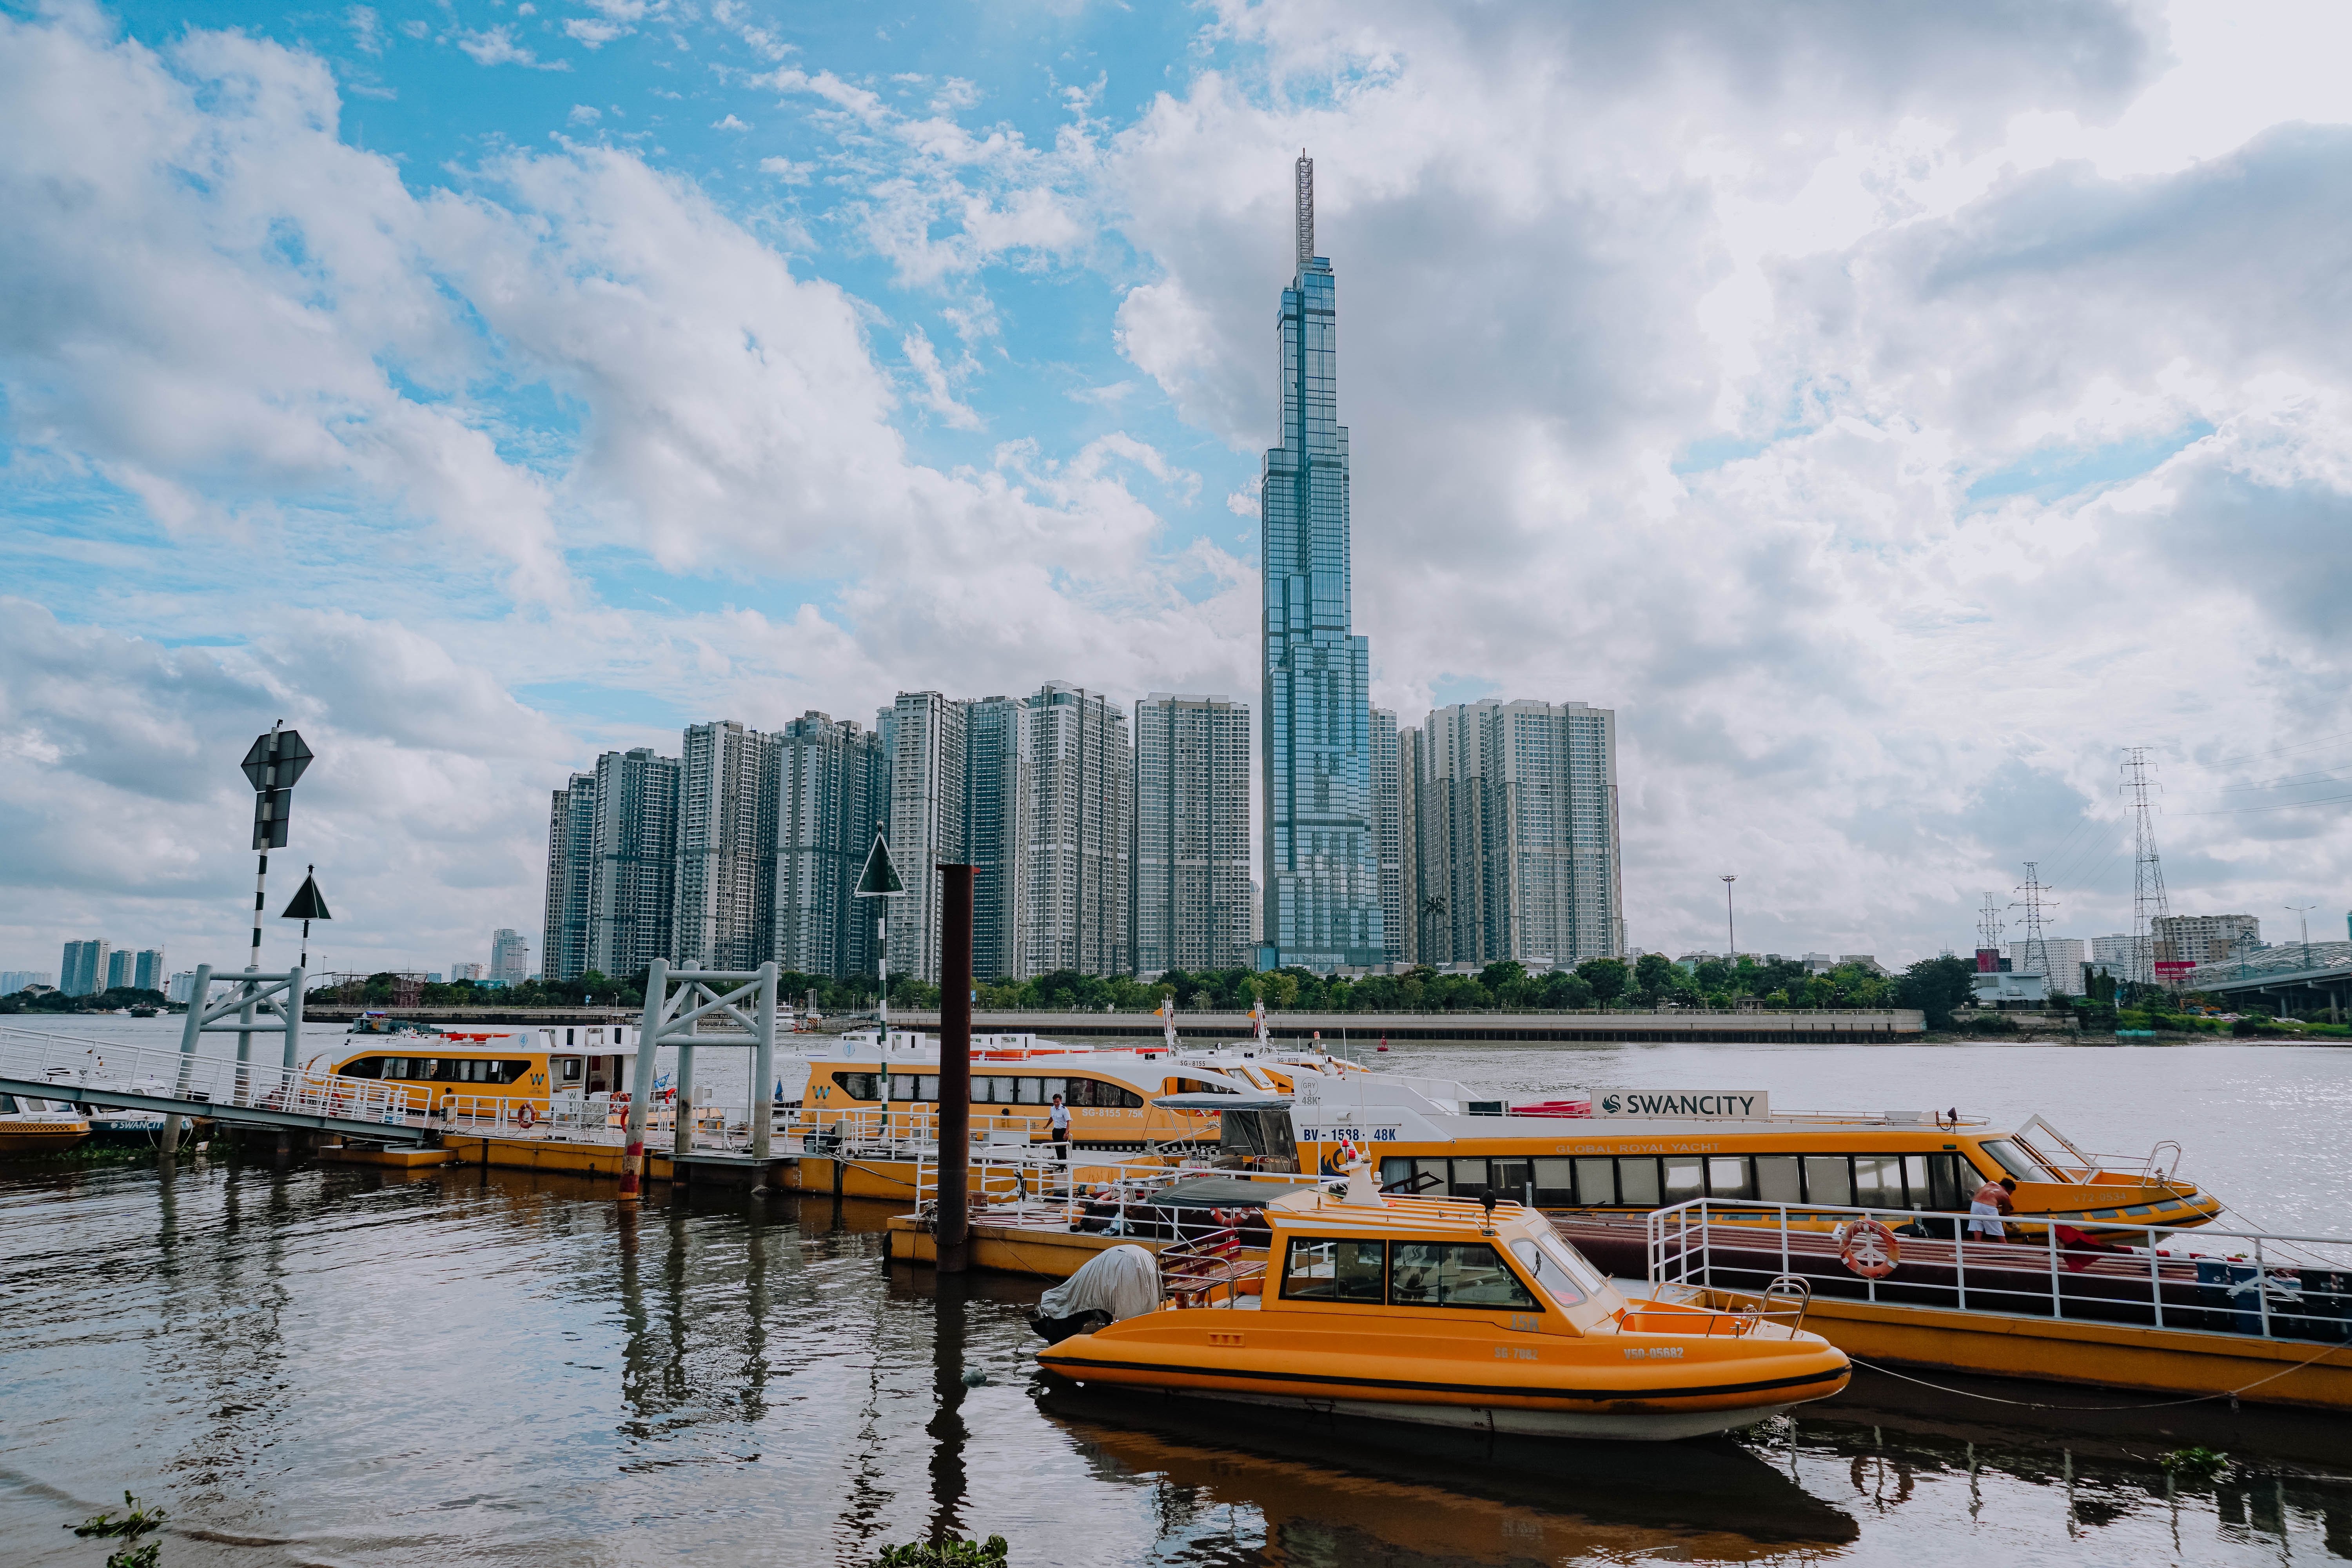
[[1894, 412]]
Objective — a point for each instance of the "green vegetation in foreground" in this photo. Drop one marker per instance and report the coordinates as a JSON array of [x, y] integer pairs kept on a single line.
[[2194, 1464], [135, 1523], [950, 1554]]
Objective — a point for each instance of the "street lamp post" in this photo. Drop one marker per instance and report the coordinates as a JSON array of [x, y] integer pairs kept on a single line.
[[1731, 931]]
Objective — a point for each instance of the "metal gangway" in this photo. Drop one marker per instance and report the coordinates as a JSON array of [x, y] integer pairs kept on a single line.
[[87, 1073]]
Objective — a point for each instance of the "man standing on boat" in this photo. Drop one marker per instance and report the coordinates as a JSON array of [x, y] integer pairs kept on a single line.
[[1986, 1208], [1061, 1131]]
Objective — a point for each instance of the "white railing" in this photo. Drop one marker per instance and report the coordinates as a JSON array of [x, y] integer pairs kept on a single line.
[[1088, 1194], [2261, 1283], [209, 1085]]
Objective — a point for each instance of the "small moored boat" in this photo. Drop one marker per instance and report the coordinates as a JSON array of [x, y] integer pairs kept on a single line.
[[1442, 1312]]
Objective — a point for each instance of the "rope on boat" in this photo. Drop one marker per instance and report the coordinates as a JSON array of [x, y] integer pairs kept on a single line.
[[2231, 1394]]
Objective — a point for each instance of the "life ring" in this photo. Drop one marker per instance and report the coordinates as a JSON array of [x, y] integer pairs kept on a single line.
[[1868, 1248], [525, 1117]]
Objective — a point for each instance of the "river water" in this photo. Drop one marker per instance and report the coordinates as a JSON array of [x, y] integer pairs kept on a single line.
[[321, 1365]]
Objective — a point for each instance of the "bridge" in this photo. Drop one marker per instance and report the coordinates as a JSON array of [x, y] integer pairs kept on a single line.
[[2300, 977], [101, 1073]]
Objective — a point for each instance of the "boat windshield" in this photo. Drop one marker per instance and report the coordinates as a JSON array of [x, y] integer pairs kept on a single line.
[[1559, 1268], [2015, 1161]]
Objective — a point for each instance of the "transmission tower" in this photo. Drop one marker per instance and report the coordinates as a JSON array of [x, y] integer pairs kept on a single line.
[[2149, 905], [1988, 928], [2037, 948]]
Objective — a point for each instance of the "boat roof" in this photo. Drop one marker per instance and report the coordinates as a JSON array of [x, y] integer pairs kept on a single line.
[[1324, 1209]]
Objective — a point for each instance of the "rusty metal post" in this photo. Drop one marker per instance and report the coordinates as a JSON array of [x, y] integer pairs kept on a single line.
[[955, 1069]]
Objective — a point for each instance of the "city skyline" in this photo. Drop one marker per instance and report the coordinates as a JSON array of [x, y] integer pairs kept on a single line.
[[1777, 386]]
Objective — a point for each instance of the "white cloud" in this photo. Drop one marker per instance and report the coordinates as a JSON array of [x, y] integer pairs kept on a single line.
[[592, 33], [366, 29], [497, 46], [934, 392], [729, 123], [784, 169], [584, 114]]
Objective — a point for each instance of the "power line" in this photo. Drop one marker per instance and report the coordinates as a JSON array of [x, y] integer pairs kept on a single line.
[[2283, 805]]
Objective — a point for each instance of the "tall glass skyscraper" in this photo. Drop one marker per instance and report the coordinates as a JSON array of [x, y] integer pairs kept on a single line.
[[1322, 900]]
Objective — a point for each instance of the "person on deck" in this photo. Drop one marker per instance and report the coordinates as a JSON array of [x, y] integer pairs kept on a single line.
[[1985, 1209], [1061, 1130]]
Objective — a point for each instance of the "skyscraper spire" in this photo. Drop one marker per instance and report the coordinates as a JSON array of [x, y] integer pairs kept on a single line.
[[1305, 173], [1322, 904]]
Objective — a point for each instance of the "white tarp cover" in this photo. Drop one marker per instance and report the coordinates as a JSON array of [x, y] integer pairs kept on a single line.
[[1123, 1281]]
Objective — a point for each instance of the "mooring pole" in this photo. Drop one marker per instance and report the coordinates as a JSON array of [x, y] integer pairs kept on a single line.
[[190, 1031], [763, 1066], [641, 1083], [953, 1245]]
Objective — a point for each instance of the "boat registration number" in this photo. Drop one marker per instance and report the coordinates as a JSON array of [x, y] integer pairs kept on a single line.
[[1655, 1352], [1515, 1352]]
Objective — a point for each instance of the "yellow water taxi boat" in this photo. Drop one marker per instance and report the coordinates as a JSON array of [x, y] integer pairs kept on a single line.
[[1445, 1313], [1629, 1152], [29, 1126]]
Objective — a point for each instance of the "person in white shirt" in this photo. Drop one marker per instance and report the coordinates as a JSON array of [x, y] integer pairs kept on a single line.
[[1061, 1130]]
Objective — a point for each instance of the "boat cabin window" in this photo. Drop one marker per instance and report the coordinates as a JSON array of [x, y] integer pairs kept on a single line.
[[1334, 1270], [857, 1085], [7, 1105], [436, 1069], [1549, 1263], [571, 1066], [1933, 1182], [1454, 1274], [918, 1087], [1199, 1085]]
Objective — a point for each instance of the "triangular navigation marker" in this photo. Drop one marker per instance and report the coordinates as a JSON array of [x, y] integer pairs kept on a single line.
[[881, 878], [310, 904]]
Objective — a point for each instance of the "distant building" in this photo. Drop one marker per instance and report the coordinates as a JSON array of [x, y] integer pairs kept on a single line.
[[181, 987], [82, 972], [120, 967], [1816, 963], [993, 804], [633, 868], [832, 789], [510, 956], [1517, 837], [726, 849], [1388, 832], [147, 970], [1412, 912], [2009, 989], [2066, 956], [1077, 833], [463, 971], [571, 859], [1192, 890], [2205, 939], [923, 738], [1867, 961], [15, 980]]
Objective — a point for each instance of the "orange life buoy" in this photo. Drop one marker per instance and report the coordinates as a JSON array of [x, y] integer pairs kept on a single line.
[[1868, 1248], [525, 1117]]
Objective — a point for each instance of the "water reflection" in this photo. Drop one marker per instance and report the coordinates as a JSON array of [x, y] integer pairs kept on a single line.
[[445, 1366]]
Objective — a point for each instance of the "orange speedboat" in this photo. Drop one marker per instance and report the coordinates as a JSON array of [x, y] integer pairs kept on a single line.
[[1449, 1313]]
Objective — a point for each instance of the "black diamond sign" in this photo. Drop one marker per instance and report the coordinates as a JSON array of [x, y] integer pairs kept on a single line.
[[277, 759]]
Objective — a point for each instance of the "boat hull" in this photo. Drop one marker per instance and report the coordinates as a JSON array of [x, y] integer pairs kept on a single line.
[[1622, 1425], [36, 1139]]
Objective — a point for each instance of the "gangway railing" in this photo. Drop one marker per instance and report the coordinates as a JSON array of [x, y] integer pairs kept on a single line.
[[1090, 1192], [85, 1072], [2265, 1284]]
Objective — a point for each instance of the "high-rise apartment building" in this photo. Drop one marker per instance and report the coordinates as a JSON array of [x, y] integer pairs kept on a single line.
[[1516, 834], [634, 861], [462, 972], [994, 800], [82, 972], [571, 859], [510, 956], [726, 849], [1322, 875], [923, 733], [1193, 887], [119, 968], [2205, 939], [1411, 902], [1388, 832], [1077, 833], [831, 788], [147, 970], [2066, 955], [15, 980]]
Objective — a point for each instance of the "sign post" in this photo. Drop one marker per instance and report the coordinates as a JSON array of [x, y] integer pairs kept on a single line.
[[880, 881]]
